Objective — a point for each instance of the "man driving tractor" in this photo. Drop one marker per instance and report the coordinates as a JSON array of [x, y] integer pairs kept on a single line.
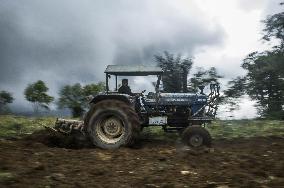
[[125, 89]]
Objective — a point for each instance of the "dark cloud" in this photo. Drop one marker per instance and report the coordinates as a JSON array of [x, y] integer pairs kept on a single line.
[[68, 41]]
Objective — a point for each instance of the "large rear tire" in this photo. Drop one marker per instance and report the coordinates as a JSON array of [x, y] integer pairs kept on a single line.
[[196, 137], [112, 124]]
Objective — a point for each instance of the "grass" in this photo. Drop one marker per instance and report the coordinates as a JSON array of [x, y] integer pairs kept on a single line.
[[230, 129], [246, 128], [18, 126]]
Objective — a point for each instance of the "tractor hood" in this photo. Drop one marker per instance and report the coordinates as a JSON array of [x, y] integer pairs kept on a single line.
[[180, 99]]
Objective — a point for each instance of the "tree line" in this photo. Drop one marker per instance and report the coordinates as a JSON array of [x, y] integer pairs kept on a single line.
[[264, 79], [73, 97]]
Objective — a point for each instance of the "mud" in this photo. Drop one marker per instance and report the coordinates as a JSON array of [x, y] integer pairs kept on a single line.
[[48, 160]]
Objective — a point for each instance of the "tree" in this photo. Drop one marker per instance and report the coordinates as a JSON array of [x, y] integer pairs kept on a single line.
[[92, 89], [236, 89], [265, 84], [36, 93], [264, 81], [5, 98], [176, 70], [204, 77], [274, 27], [75, 96]]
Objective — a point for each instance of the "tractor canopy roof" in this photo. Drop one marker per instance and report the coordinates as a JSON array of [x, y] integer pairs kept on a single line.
[[133, 70]]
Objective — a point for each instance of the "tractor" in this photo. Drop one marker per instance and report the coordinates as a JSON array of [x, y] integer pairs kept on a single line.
[[115, 119]]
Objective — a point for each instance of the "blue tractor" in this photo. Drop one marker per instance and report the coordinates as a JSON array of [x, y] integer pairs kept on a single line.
[[116, 118]]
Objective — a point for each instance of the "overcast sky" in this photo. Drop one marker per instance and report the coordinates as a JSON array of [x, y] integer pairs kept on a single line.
[[69, 41]]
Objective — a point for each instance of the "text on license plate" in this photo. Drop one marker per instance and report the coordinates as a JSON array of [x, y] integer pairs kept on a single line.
[[158, 120]]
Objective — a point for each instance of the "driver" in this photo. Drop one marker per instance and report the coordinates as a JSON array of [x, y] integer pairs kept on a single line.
[[125, 89]]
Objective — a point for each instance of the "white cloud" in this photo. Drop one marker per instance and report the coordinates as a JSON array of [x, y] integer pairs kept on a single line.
[[241, 21]]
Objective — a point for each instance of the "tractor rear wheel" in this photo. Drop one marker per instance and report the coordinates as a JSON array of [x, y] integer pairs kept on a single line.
[[196, 136], [112, 124]]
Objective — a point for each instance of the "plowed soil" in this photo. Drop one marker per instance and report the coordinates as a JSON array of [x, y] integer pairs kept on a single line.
[[46, 161]]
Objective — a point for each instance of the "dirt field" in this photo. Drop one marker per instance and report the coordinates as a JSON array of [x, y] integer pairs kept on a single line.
[[251, 162]]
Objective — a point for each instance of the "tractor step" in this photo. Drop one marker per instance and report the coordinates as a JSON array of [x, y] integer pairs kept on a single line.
[[172, 129]]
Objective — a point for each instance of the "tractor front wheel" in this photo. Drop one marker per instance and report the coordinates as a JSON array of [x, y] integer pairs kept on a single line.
[[196, 136]]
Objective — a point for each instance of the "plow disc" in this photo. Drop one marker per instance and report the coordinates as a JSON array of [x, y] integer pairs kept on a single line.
[[73, 131], [69, 126]]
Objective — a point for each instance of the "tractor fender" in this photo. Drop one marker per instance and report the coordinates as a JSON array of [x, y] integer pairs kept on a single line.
[[120, 97]]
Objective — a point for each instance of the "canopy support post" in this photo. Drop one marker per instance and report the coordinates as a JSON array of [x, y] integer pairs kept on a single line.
[[115, 82], [107, 83]]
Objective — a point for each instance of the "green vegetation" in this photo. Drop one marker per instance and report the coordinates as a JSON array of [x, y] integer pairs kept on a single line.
[[246, 128], [264, 79], [176, 71], [229, 129], [18, 126], [5, 98], [75, 97], [36, 93], [7, 177], [204, 77]]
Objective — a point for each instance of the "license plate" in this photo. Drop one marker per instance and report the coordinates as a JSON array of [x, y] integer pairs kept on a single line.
[[158, 120]]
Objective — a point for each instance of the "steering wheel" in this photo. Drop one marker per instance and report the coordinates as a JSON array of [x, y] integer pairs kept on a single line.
[[142, 93]]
